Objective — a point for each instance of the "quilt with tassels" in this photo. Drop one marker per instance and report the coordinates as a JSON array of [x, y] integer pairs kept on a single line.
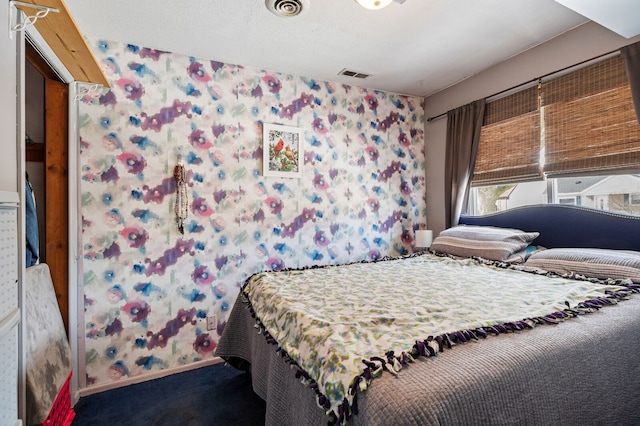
[[343, 325]]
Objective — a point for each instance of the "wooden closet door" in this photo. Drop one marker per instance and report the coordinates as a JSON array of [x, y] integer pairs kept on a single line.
[[56, 186]]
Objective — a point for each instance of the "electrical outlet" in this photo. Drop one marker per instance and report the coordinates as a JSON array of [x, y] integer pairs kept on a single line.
[[212, 322]]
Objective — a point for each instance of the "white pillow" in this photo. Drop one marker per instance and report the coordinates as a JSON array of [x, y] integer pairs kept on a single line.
[[590, 262], [487, 242]]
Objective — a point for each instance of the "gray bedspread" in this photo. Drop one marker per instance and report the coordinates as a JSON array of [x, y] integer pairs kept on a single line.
[[585, 371]]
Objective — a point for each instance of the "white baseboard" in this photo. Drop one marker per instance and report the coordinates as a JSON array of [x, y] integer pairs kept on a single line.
[[90, 390]]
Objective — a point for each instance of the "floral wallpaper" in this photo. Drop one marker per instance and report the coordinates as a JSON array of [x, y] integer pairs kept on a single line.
[[149, 289]]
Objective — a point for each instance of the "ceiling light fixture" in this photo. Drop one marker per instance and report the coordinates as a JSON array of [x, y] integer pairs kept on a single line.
[[374, 4]]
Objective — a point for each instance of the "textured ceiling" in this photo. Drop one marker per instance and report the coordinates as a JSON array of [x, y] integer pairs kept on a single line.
[[416, 48]]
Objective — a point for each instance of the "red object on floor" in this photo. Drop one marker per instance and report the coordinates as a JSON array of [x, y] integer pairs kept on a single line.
[[61, 413]]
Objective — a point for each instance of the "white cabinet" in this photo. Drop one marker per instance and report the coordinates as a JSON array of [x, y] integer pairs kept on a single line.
[[9, 309]]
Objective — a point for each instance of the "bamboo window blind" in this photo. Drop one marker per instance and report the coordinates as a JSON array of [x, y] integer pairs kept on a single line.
[[583, 122], [589, 121], [509, 148]]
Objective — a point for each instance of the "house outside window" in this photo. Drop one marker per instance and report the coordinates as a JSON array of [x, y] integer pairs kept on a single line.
[[613, 193]]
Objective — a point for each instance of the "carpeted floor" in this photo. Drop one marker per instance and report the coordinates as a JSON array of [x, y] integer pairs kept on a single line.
[[214, 395]]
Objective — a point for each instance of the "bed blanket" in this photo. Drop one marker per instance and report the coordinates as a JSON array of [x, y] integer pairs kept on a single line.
[[342, 326], [583, 372]]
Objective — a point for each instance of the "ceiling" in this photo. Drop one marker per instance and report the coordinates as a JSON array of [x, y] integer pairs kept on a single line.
[[417, 48]]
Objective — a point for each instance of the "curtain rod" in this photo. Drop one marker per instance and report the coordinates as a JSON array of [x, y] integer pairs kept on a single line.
[[435, 117]]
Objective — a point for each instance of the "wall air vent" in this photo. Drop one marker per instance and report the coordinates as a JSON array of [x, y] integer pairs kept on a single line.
[[287, 8], [356, 74]]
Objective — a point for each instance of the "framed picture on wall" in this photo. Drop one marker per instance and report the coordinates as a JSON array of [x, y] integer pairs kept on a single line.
[[282, 151]]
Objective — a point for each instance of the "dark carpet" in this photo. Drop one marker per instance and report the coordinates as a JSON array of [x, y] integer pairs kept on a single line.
[[213, 395]]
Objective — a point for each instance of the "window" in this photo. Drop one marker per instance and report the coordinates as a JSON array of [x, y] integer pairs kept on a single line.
[[568, 140], [608, 192], [570, 201]]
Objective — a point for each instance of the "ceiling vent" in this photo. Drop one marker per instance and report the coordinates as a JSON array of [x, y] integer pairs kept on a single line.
[[287, 8], [350, 73]]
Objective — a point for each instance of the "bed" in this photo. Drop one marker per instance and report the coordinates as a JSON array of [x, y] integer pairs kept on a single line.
[[571, 358]]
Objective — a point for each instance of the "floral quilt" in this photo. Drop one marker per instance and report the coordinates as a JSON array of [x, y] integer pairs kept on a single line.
[[343, 325]]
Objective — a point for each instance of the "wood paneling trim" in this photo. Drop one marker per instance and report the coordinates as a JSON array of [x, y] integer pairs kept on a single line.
[[35, 152], [34, 58], [57, 211]]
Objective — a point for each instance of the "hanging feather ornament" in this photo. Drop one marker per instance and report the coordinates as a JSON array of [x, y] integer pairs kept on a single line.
[[181, 206]]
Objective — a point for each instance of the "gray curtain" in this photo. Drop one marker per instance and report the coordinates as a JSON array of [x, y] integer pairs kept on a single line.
[[463, 136], [631, 56]]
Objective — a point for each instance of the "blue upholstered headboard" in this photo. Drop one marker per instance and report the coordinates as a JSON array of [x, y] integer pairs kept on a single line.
[[568, 226]]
